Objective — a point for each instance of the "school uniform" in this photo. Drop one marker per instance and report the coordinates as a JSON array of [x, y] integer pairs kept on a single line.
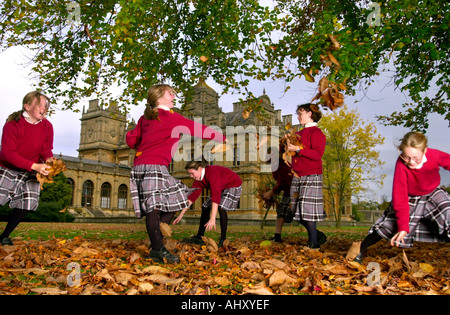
[[419, 206], [23, 144], [306, 188], [225, 187], [155, 141]]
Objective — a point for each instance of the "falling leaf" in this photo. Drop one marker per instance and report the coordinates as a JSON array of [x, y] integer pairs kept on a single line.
[[309, 77], [222, 147], [246, 113], [353, 251], [166, 230]]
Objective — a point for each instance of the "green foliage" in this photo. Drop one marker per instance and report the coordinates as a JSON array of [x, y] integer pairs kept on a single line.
[[131, 45], [54, 198], [350, 156]]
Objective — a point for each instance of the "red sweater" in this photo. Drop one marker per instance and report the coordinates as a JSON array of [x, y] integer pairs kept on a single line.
[[217, 178], [24, 144], [283, 175], [416, 182], [309, 161], [159, 138]]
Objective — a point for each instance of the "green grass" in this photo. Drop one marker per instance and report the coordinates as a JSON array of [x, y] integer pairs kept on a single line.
[[45, 231]]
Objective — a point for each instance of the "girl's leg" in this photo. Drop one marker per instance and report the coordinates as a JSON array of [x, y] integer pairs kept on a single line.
[[159, 252], [204, 218], [223, 225], [312, 231], [370, 239], [152, 221], [16, 217]]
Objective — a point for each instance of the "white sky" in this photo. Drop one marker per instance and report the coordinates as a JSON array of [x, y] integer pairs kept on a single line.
[[15, 82]]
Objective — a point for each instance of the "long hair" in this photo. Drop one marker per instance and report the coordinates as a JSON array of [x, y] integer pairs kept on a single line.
[[153, 95], [28, 99]]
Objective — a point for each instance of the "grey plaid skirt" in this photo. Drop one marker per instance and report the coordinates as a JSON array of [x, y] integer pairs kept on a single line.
[[229, 199], [19, 188], [307, 198], [284, 209], [429, 219], [152, 187]]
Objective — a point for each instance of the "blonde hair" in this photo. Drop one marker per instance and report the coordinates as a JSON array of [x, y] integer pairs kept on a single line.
[[28, 99], [414, 140], [153, 95]]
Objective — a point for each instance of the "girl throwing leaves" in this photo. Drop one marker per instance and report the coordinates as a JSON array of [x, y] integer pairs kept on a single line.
[[27, 143], [155, 193]]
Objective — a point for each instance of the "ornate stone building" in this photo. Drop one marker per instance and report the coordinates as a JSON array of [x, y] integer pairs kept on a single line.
[[100, 175]]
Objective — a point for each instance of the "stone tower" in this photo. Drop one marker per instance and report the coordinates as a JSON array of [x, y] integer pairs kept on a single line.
[[102, 136]]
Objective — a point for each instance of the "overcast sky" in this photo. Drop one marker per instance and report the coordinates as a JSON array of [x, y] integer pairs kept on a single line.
[[381, 99]]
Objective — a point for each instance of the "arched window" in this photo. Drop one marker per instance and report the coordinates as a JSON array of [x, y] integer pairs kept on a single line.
[[72, 186], [123, 194], [105, 201], [87, 193]]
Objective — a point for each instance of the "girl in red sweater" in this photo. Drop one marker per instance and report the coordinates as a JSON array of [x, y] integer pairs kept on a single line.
[[420, 209], [27, 143], [154, 192], [225, 187], [306, 187]]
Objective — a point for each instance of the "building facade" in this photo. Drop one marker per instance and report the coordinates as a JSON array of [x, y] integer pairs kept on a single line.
[[100, 176]]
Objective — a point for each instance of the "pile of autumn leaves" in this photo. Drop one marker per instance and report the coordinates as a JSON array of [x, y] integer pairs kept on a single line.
[[244, 266]]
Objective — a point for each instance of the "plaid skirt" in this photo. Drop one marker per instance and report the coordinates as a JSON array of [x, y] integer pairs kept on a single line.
[[19, 188], [229, 199], [284, 209], [429, 219], [307, 198], [152, 187]]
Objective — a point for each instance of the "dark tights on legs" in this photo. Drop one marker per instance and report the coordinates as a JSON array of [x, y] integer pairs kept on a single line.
[[370, 239], [152, 222], [16, 216], [204, 218], [312, 230]]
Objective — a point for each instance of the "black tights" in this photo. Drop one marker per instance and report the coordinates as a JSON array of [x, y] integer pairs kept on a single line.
[[152, 222], [204, 218], [370, 239], [312, 230], [16, 216]]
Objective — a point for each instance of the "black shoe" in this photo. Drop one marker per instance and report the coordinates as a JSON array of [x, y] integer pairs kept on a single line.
[[159, 255], [276, 239], [193, 240], [322, 238], [313, 245], [358, 258], [7, 241]]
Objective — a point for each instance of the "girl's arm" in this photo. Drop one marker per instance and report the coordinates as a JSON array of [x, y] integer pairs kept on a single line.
[[212, 221], [133, 136], [178, 219]]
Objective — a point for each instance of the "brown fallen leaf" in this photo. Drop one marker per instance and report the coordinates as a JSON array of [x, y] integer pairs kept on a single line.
[[353, 251], [211, 245], [56, 166], [279, 277]]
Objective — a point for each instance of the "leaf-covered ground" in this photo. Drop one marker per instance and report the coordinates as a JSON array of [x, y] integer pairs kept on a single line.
[[112, 259]]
